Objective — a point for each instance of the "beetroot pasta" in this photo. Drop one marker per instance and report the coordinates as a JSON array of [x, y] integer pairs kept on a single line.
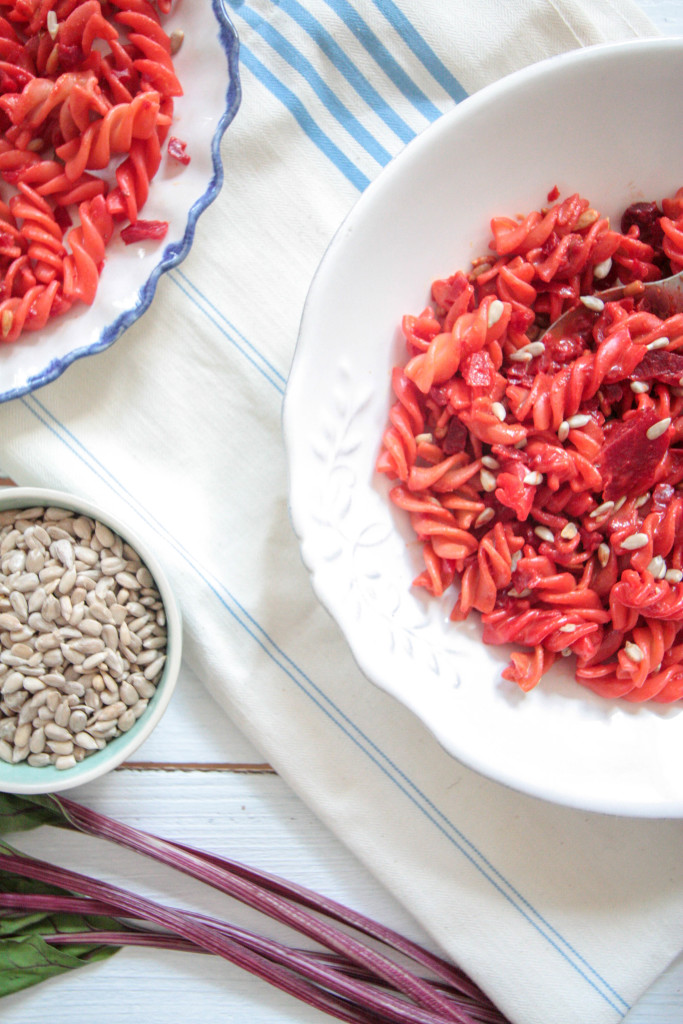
[[542, 472], [87, 89]]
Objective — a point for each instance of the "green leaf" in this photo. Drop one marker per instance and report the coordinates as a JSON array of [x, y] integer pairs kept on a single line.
[[16, 923], [26, 960], [20, 813], [25, 957]]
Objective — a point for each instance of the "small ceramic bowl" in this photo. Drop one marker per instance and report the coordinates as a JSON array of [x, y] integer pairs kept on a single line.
[[25, 778]]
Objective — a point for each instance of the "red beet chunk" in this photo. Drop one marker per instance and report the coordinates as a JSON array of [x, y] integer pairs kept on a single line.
[[456, 437], [478, 370], [666, 367], [178, 150], [645, 216], [141, 230], [71, 56], [629, 459]]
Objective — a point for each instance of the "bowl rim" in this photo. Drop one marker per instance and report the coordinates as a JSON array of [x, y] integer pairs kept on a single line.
[[115, 752]]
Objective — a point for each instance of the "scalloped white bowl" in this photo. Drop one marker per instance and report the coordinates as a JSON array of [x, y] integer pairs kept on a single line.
[[25, 778], [207, 66], [600, 121]]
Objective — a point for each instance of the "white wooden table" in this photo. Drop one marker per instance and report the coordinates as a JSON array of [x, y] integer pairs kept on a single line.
[[197, 779]]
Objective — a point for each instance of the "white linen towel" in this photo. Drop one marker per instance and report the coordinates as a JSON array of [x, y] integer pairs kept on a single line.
[[562, 916]]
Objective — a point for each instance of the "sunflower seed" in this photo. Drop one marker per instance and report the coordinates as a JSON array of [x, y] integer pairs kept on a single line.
[[635, 542], [487, 480], [580, 420], [62, 715], [601, 510], [60, 747], [603, 554], [484, 517], [110, 713], [127, 720], [657, 567], [633, 651], [496, 310], [85, 740], [601, 270], [545, 533], [38, 760], [153, 670], [9, 621], [658, 428]]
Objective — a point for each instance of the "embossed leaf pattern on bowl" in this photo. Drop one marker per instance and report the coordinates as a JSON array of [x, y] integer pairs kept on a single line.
[[362, 545]]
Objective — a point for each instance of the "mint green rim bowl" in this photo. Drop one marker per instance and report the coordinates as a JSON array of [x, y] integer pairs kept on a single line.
[[24, 778]]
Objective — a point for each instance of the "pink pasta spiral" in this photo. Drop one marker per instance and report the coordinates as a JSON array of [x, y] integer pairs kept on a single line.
[[87, 91], [542, 471]]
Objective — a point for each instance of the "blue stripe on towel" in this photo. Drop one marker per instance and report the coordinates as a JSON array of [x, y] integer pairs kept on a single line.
[[379, 52], [422, 50], [346, 67], [303, 66], [304, 119], [447, 828], [228, 330]]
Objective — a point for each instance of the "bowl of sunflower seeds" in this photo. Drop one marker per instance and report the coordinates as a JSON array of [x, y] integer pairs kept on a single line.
[[90, 641]]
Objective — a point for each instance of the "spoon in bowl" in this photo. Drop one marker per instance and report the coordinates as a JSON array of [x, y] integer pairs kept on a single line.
[[663, 298]]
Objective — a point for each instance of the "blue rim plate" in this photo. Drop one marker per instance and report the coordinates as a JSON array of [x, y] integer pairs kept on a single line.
[[207, 65]]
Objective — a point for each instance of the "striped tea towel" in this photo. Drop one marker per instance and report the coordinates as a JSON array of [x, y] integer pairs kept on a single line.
[[562, 916]]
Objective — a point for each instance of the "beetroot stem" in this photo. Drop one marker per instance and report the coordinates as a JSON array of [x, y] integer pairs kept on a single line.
[[380, 1005], [220, 876], [52, 903], [92, 821]]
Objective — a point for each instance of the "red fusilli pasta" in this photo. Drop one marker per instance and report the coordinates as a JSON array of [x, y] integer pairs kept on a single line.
[[542, 472], [86, 101]]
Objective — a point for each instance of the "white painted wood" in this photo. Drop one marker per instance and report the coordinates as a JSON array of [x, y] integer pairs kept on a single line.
[[663, 1004], [195, 729], [667, 15]]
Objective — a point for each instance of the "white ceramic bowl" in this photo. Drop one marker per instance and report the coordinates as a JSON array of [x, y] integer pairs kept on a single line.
[[602, 122], [208, 69], [22, 777]]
